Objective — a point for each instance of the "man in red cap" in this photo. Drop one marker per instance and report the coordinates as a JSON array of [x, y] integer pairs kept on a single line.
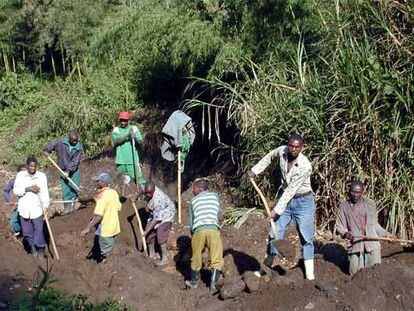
[[127, 158]]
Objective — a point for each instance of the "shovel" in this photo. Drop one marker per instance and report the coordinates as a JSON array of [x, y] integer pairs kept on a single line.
[[52, 239], [141, 230], [75, 186], [284, 247], [368, 238]]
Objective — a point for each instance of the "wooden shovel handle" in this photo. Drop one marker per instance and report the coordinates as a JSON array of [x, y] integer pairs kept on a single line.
[[383, 239], [52, 239], [141, 230], [179, 186], [266, 205], [75, 186]]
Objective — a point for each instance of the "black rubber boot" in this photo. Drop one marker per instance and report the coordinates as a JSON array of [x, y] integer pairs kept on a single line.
[[41, 252], [215, 276], [195, 276], [33, 251]]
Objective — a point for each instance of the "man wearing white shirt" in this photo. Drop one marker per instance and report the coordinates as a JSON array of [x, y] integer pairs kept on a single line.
[[296, 202], [31, 188]]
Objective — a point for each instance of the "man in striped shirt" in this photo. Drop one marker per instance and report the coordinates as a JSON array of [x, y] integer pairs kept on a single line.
[[205, 229]]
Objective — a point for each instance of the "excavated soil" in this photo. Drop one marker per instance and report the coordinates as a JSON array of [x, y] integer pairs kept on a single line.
[[135, 280]]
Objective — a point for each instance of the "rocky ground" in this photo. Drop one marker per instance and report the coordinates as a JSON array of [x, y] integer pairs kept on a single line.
[[134, 279]]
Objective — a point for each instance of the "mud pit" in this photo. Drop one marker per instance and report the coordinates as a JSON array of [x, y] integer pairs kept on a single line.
[[132, 278]]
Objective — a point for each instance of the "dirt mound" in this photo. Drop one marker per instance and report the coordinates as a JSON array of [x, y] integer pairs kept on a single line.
[[134, 279]]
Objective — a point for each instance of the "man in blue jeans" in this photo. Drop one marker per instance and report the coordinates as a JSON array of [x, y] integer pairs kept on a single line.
[[297, 200]]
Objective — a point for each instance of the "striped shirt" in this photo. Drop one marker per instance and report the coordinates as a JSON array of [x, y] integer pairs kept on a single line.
[[204, 210]]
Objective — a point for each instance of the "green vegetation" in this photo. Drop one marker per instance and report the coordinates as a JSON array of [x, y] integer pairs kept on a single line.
[[338, 72], [44, 297]]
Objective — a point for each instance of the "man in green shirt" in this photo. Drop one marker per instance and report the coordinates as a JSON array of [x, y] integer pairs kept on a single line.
[[125, 138]]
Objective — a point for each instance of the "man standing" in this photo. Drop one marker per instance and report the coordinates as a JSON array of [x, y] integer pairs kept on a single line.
[[297, 200], [31, 188], [106, 218], [14, 215], [204, 226], [357, 218], [162, 211], [127, 158], [69, 151]]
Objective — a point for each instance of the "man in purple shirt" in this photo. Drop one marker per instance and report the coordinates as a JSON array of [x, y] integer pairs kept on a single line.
[[357, 219], [14, 215]]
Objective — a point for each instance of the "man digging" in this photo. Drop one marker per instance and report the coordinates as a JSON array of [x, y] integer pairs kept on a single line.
[[296, 202], [127, 158], [69, 152], [106, 218], [204, 226], [162, 210], [357, 218]]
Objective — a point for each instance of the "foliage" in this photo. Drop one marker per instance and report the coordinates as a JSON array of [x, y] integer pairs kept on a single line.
[[338, 72], [44, 298], [351, 102]]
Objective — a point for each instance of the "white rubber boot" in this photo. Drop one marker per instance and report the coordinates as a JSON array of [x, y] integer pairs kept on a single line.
[[309, 269]]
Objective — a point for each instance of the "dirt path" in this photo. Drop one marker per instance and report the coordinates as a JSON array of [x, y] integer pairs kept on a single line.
[[132, 278]]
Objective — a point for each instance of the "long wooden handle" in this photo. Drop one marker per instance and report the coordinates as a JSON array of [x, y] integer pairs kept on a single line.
[[141, 230], [75, 186], [51, 202], [383, 239], [134, 159], [179, 186], [266, 205], [52, 239]]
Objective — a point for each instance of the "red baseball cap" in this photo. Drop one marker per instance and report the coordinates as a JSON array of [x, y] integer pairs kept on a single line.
[[124, 115]]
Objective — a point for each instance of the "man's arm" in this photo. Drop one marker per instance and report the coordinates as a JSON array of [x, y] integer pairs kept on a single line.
[[341, 222], [50, 147], [136, 134], [7, 190], [19, 188], [295, 183], [265, 162], [190, 209], [95, 220], [44, 193], [378, 228], [118, 139], [150, 226]]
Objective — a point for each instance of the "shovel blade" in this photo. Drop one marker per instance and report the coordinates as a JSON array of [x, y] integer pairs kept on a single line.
[[285, 248]]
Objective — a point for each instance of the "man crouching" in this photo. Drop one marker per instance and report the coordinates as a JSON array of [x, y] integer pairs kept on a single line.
[[205, 229]]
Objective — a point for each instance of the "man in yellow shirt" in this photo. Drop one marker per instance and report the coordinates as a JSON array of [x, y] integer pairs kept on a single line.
[[106, 219]]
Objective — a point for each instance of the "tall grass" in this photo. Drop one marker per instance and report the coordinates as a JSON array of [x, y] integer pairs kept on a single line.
[[351, 101]]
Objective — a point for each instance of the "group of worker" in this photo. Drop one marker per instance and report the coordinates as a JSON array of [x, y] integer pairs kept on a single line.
[[357, 216]]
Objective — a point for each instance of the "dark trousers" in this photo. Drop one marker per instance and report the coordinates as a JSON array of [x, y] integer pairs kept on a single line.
[[32, 230]]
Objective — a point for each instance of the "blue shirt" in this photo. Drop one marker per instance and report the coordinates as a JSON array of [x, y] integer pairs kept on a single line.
[[8, 189]]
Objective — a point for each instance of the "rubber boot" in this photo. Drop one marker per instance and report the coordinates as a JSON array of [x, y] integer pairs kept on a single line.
[[309, 269], [33, 251], [41, 252], [151, 249], [215, 276], [164, 255], [195, 276]]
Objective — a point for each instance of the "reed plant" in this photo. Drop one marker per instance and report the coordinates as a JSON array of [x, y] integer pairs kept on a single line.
[[351, 101]]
